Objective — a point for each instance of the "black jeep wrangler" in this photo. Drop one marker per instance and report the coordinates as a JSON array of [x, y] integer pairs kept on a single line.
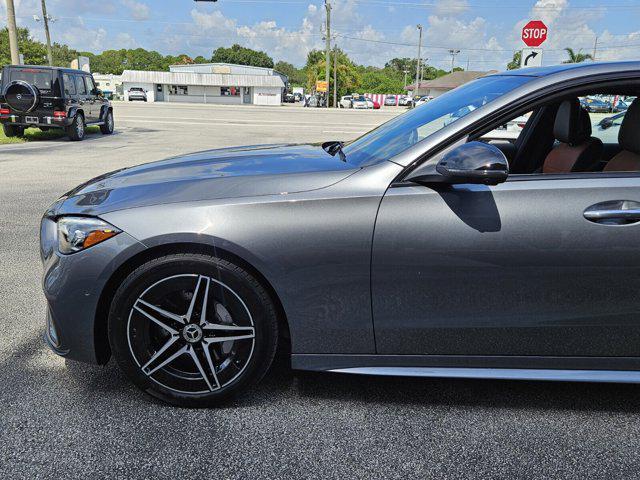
[[51, 97]]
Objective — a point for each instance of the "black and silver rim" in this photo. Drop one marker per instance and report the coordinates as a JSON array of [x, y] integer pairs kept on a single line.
[[191, 334], [80, 127]]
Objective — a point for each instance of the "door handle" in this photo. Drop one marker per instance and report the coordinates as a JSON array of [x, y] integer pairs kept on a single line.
[[615, 212]]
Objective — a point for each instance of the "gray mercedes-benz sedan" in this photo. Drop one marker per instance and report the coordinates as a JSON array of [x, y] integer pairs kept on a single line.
[[502, 243]]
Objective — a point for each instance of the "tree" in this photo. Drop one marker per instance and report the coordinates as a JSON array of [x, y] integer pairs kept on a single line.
[[514, 64], [349, 79], [381, 80], [242, 56], [297, 76], [200, 59], [577, 57], [34, 52]]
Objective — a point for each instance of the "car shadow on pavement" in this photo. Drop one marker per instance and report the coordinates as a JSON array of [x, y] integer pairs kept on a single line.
[[283, 385]]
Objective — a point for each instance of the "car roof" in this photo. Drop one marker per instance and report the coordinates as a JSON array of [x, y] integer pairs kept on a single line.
[[47, 67], [583, 68]]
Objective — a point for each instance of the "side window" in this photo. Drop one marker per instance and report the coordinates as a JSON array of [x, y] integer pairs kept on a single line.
[[510, 131], [80, 87], [90, 85], [69, 85]]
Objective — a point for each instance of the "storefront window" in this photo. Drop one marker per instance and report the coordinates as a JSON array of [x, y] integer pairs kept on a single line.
[[178, 89], [230, 91]]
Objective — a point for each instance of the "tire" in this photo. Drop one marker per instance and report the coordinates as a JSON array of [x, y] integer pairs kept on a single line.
[[76, 130], [107, 127], [21, 96], [242, 308], [12, 130]]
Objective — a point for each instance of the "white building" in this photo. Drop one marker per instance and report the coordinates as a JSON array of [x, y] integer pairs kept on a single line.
[[111, 85], [218, 83]]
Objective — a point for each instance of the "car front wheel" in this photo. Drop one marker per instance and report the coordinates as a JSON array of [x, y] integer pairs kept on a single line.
[[75, 131], [192, 329], [107, 127]]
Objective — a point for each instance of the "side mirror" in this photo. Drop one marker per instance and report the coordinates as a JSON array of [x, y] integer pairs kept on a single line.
[[473, 162], [97, 92]]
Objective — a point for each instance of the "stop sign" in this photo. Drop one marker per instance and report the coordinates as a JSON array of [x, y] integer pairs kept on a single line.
[[534, 33]]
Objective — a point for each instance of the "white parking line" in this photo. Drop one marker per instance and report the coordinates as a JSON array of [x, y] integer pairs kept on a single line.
[[235, 124], [274, 122]]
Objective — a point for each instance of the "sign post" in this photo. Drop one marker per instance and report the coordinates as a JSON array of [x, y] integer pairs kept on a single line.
[[534, 34]]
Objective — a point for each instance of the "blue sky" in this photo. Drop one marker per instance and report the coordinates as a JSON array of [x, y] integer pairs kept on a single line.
[[371, 31]]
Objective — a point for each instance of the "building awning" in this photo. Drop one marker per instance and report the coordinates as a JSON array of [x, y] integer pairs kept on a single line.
[[207, 79]]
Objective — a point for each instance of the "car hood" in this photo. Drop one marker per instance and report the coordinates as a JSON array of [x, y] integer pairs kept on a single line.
[[212, 174]]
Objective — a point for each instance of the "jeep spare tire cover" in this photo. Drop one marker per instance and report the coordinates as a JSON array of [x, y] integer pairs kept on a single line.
[[21, 96]]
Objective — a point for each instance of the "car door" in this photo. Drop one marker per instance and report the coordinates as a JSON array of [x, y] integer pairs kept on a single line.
[[513, 269], [92, 100]]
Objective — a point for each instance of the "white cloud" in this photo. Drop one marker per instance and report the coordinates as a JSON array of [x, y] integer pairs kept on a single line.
[[449, 7], [138, 10]]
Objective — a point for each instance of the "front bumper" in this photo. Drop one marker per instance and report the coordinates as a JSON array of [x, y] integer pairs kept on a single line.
[[72, 286]]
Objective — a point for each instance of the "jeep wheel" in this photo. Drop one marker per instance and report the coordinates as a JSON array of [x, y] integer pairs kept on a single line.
[[107, 127], [13, 130], [75, 131]]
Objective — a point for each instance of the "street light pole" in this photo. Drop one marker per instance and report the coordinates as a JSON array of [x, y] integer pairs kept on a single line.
[[327, 6], [45, 19], [335, 76], [405, 78], [418, 59], [13, 33], [453, 52]]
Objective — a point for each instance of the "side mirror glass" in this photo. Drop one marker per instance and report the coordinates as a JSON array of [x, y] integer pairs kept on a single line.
[[473, 162]]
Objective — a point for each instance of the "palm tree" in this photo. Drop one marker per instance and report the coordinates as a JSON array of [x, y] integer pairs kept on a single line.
[[577, 57]]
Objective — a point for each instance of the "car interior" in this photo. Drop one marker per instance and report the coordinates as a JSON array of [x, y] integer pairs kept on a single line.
[[561, 137]]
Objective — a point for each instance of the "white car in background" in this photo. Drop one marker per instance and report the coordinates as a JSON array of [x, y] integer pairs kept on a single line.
[[360, 103], [137, 93], [423, 100], [345, 102]]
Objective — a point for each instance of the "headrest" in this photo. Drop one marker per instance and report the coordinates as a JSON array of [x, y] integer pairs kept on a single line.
[[572, 125], [629, 135]]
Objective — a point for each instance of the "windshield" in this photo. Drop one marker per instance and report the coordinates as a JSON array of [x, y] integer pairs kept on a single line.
[[406, 130]]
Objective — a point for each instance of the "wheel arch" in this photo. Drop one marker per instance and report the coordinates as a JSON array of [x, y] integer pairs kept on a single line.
[[101, 341]]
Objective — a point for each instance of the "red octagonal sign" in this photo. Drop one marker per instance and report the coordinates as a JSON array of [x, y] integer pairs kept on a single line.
[[534, 33]]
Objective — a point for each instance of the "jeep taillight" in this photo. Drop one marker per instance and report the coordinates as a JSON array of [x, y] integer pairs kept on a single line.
[[57, 114]]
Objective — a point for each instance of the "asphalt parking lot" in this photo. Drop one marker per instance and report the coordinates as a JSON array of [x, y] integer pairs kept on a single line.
[[61, 420]]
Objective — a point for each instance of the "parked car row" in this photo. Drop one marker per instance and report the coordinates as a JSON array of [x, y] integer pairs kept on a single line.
[[605, 105]]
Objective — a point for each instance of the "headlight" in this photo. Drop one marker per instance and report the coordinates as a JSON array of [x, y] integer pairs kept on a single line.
[[78, 233]]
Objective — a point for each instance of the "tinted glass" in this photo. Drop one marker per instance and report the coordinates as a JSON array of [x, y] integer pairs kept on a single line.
[[69, 85], [406, 130], [80, 87], [89, 83], [43, 79]]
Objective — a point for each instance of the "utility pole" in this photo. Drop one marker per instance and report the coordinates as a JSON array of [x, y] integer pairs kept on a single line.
[[422, 65], [467, 64], [327, 6], [13, 33], [418, 59], [595, 49], [405, 78], [335, 76], [45, 20], [453, 52]]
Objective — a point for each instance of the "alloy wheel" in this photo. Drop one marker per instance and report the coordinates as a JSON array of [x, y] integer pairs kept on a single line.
[[191, 333]]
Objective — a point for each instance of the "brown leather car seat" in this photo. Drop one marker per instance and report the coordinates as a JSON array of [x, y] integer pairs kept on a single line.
[[628, 160], [578, 150]]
